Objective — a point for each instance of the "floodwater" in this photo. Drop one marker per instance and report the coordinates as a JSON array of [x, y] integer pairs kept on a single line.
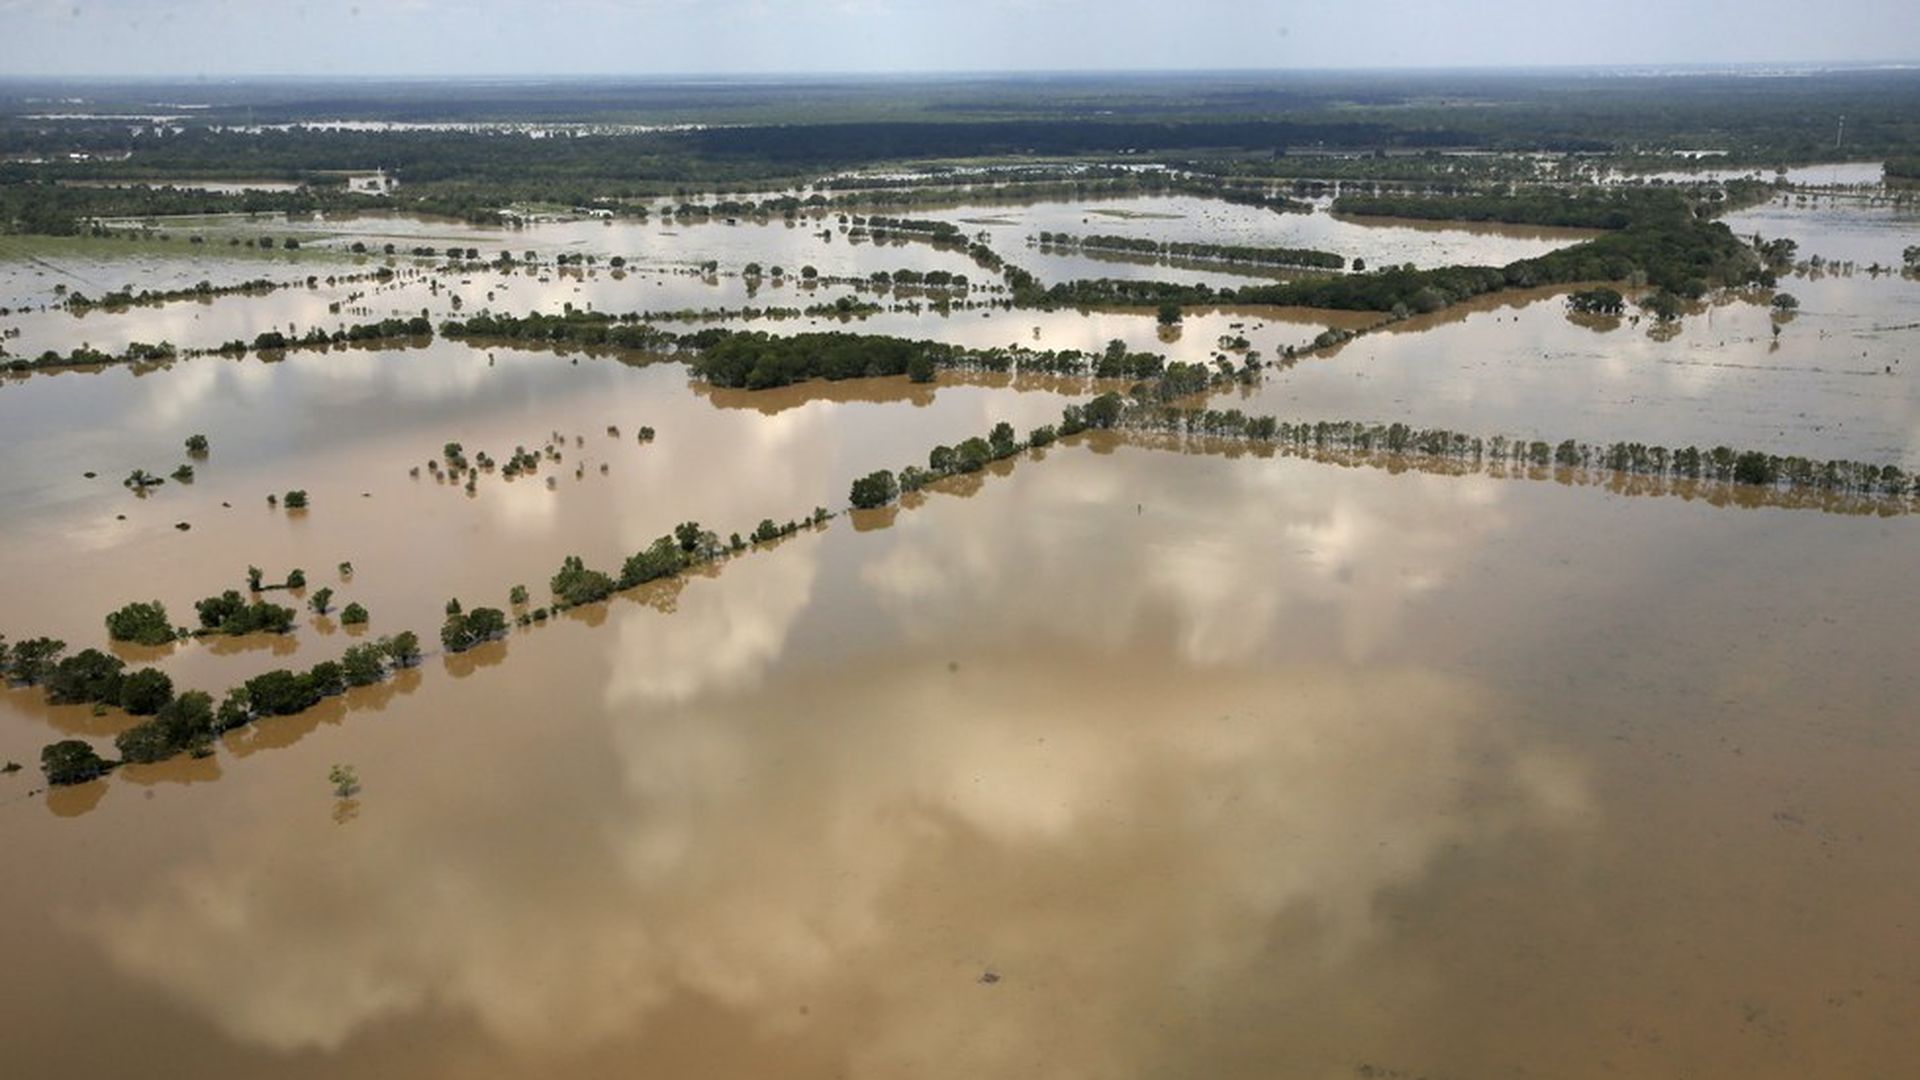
[[971, 320], [347, 426], [1110, 761], [1836, 174], [1381, 242], [1127, 763], [1840, 380], [1838, 229], [98, 265]]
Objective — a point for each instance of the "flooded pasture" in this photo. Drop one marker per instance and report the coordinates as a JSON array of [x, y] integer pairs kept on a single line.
[[348, 427], [1109, 760], [1125, 753], [1839, 381]]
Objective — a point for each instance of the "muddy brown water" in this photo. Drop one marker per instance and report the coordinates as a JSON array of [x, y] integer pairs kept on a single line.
[[1839, 380], [348, 426], [1111, 761], [1125, 762]]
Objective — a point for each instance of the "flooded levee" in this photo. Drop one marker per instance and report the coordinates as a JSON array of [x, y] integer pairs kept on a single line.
[[1139, 761]]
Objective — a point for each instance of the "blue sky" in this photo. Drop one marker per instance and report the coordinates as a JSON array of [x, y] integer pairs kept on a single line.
[[192, 38]]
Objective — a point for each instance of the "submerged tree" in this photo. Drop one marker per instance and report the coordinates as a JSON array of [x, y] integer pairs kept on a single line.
[[71, 761], [142, 623], [344, 779], [874, 489]]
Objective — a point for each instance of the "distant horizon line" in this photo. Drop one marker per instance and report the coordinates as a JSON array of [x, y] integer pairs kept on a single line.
[[1781, 68]]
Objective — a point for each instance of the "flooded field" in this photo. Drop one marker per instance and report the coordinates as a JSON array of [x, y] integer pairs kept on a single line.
[[1108, 760], [1839, 381], [347, 427], [1838, 229], [1323, 748], [1379, 242]]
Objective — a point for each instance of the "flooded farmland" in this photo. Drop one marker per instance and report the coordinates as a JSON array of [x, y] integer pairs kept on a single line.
[[1365, 757], [1106, 760]]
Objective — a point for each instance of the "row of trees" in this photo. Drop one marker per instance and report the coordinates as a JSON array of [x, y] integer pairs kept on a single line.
[[137, 352], [1686, 256], [418, 326], [573, 326], [756, 360], [205, 290], [1305, 258], [877, 489], [1592, 208], [1717, 464], [182, 723]]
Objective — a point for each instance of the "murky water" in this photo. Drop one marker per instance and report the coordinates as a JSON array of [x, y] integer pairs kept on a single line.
[[348, 426], [1110, 761], [1187, 218], [1139, 762], [1863, 231], [1837, 174], [1839, 381]]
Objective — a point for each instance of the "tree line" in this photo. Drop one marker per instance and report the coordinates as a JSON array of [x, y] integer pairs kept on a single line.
[[755, 360], [185, 722], [1719, 464], [1306, 258]]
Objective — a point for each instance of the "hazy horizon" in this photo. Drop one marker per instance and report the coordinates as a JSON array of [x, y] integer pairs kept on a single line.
[[226, 39]]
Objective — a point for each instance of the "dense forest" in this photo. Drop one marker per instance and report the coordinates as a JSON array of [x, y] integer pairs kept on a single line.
[[1381, 127]]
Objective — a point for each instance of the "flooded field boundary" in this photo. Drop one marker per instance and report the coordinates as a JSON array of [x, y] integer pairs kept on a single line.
[[1762, 478]]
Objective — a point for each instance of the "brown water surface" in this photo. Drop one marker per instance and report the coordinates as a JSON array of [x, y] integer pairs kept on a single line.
[[1131, 763]]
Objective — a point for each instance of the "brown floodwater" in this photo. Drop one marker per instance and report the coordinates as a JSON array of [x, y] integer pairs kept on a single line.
[[1120, 763], [1111, 761], [347, 426], [440, 295], [1839, 381]]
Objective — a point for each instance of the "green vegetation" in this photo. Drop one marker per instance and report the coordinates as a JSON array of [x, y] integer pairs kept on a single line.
[[205, 290], [1719, 464], [344, 779], [230, 614], [1597, 208], [135, 353], [71, 761], [353, 615], [29, 662], [1602, 301], [755, 360], [462, 631], [141, 623], [295, 500], [874, 489], [145, 692], [574, 584], [1684, 255], [588, 328], [87, 677], [1305, 258]]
